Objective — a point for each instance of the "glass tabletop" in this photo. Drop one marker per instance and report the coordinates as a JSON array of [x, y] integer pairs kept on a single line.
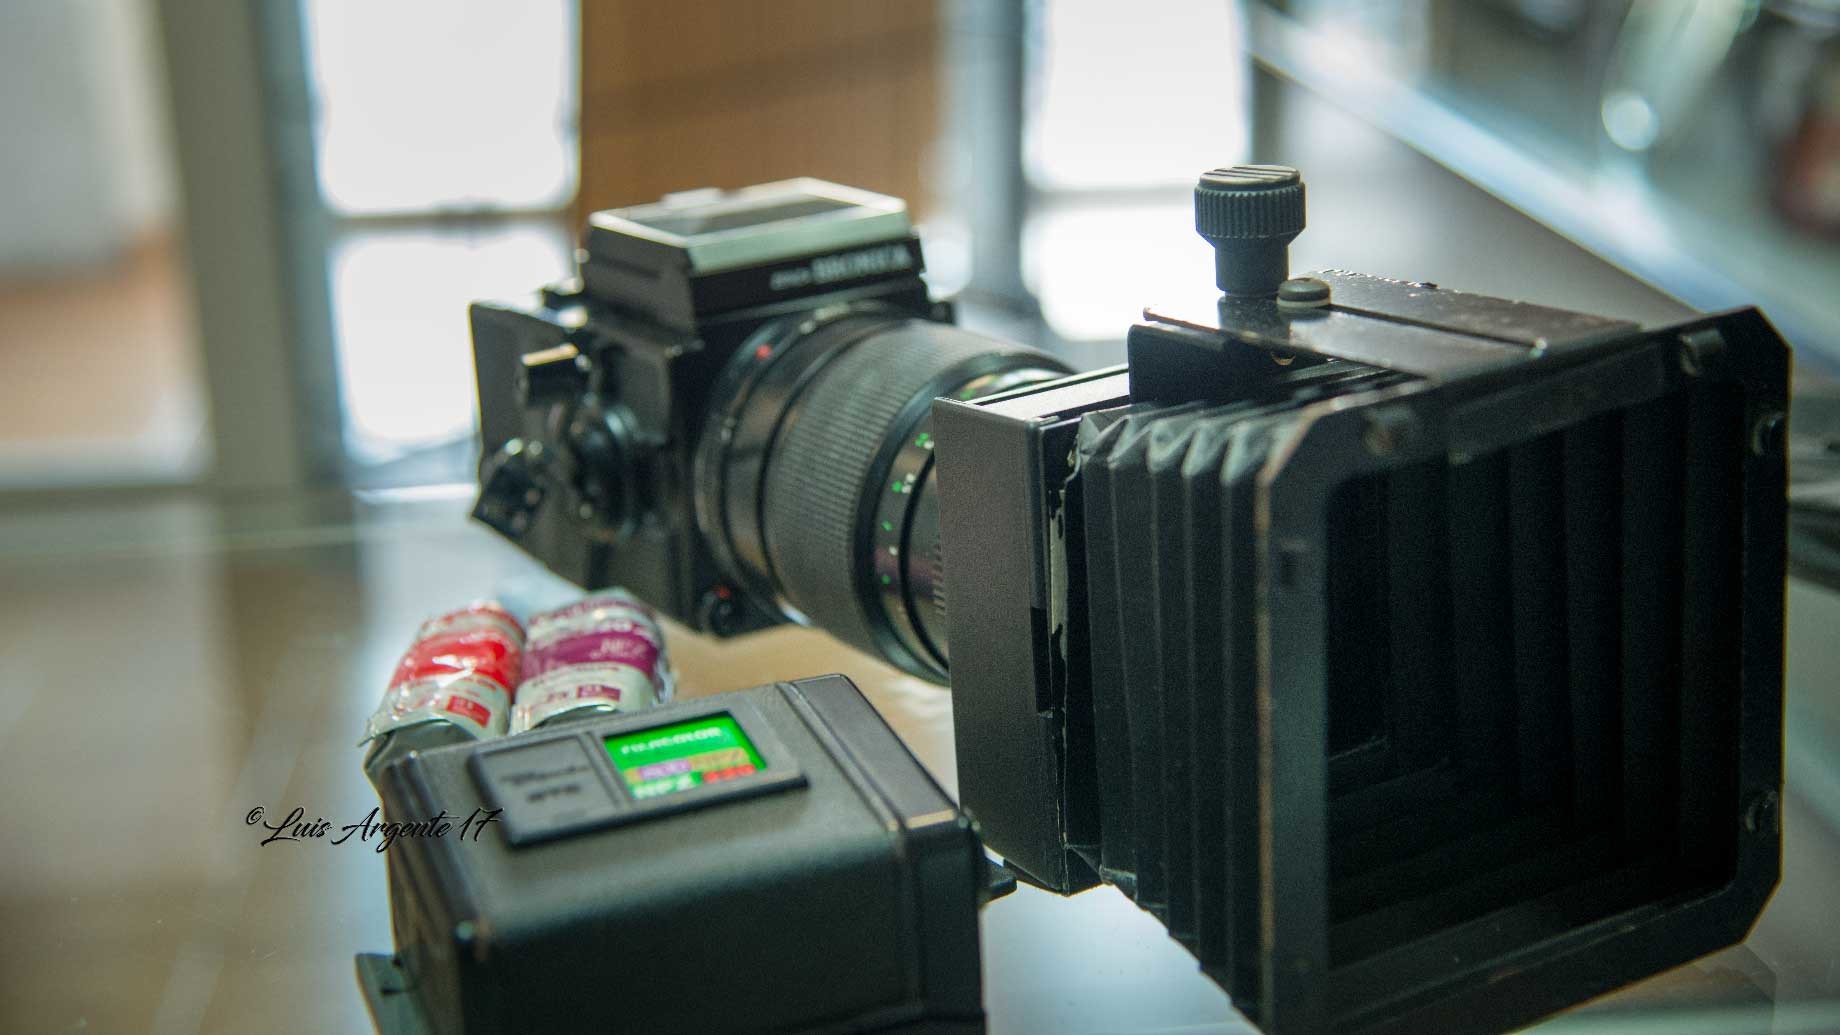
[[174, 665]]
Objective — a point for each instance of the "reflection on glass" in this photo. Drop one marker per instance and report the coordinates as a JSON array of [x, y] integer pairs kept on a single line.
[[1693, 143]]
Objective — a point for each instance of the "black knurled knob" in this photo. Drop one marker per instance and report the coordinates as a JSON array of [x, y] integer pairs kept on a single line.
[[552, 375], [511, 488], [1250, 214]]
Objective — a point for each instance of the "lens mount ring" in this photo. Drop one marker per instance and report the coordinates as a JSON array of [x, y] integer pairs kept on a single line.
[[831, 480], [904, 563], [751, 397]]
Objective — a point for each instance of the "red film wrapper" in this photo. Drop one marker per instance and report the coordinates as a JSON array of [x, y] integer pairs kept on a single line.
[[460, 670]]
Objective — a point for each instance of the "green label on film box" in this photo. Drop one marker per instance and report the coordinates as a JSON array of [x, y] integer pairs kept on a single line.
[[683, 756]]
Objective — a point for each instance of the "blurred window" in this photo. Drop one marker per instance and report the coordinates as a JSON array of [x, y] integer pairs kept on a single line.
[[446, 141], [1134, 95], [1131, 103], [400, 297], [443, 104], [99, 369]]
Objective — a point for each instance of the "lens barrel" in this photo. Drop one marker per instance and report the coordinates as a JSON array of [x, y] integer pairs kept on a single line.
[[814, 476]]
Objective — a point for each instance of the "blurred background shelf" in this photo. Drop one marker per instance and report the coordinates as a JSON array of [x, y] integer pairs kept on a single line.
[[1693, 148]]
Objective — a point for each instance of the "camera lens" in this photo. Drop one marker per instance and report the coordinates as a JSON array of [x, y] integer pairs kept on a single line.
[[815, 474]]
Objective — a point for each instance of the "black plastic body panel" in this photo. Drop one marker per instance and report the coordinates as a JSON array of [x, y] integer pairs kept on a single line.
[[1002, 463], [847, 901], [660, 377]]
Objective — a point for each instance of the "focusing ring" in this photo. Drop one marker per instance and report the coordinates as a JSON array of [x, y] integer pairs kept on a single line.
[[759, 387], [832, 456]]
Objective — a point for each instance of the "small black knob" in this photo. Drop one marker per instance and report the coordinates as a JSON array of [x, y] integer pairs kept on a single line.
[[511, 488], [601, 464], [1250, 214], [552, 375]]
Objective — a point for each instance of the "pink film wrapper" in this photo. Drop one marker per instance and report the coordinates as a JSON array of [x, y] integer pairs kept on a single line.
[[604, 653]]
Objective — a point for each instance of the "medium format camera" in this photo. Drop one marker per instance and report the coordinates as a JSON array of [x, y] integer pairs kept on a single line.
[[730, 415], [1414, 656]]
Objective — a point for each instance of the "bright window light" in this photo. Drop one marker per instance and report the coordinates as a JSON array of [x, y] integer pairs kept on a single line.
[[1136, 94], [1095, 266], [400, 299], [424, 105]]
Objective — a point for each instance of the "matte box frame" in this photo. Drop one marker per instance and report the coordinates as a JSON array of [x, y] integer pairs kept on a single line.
[[1491, 374]]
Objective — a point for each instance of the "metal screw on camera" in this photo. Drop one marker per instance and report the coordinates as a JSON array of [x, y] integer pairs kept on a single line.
[[1698, 351], [1761, 814], [1303, 293], [1768, 433]]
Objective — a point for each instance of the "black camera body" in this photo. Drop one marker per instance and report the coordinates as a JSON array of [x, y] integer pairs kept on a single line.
[[592, 402], [1415, 657], [649, 426]]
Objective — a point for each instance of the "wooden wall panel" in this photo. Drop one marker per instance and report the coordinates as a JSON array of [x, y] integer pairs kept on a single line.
[[723, 93]]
